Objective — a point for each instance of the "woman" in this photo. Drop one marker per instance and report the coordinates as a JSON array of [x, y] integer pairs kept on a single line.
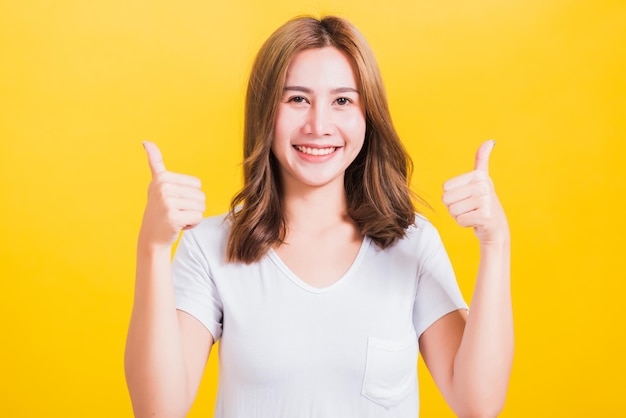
[[321, 283]]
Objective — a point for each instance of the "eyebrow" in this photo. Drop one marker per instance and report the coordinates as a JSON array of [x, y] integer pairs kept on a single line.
[[309, 91]]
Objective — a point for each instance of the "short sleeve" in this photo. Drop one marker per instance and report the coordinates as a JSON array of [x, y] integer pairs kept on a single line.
[[194, 288], [437, 291]]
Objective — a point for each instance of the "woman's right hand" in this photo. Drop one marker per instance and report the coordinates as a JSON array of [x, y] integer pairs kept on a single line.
[[175, 203]]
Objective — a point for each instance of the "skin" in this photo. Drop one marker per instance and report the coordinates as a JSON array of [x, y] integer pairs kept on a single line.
[[468, 355], [166, 350], [321, 111]]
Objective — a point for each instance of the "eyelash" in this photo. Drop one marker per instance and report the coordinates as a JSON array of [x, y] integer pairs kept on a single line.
[[297, 99], [300, 99]]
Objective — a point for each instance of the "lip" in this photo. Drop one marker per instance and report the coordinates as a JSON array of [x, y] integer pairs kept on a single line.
[[313, 157], [317, 145]]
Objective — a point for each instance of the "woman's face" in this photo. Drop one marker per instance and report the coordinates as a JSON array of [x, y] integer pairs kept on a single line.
[[320, 124]]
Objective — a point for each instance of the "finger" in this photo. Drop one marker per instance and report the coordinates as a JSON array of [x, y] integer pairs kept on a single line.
[[154, 158], [470, 219], [182, 180], [193, 221], [165, 191], [184, 205], [464, 206], [189, 219], [462, 180], [481, 162], [183, 192], [475, 189]]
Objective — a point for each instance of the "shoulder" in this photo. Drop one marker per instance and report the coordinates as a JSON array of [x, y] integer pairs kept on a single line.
[[420, 242], [209, 237], [219, 224], [422, 232], [422, 223]]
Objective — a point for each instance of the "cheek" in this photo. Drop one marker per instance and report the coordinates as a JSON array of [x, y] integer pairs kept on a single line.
[[281, 129], [286, 123], [357, 126]]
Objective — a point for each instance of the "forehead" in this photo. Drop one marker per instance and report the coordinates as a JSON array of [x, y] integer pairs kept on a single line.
[[326, 66]]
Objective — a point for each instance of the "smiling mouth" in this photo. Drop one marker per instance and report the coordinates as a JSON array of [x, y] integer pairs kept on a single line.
[[315, 151]]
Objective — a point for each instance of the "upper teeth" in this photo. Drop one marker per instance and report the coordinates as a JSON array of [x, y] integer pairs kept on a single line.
[[316, 151]]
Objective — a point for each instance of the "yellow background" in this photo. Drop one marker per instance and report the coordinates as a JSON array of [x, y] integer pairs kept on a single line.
[[83, 82]]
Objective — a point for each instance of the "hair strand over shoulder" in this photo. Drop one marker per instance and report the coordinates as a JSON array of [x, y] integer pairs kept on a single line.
[[379, 199]]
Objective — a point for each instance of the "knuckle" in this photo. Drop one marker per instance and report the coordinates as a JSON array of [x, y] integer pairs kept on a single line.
[[483, 188], [157, 189], [166, 189], [461, 220], [480, 175], [160, 178], [166, 202]]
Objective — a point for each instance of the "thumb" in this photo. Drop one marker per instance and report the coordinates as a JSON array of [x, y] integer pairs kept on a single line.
[[482, 156], [154, 158]]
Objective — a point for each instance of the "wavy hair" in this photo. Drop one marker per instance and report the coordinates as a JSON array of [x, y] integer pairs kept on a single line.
[[379, 199]]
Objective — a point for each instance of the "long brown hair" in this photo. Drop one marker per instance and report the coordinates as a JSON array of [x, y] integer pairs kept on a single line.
[[377, 181]]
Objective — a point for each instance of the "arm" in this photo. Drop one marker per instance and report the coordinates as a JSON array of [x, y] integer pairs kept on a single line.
[[166, 350], [470, 355]]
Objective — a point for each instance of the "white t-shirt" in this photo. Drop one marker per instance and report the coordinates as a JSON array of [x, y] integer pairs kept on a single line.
[[290, 350]]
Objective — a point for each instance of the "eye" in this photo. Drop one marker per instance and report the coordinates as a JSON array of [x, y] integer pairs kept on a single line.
[[342, 101], [297, 99]]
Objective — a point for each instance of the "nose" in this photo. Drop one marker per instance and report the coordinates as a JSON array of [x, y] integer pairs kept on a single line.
[[319, 120]]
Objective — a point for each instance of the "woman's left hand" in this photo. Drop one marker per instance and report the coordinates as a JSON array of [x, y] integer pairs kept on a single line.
[[472, 201]]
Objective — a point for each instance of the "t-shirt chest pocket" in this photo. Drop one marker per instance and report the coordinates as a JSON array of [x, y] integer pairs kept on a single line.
[[390, 370]]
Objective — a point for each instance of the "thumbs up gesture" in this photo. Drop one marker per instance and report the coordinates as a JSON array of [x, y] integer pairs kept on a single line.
[[472, 201], [175, 202]]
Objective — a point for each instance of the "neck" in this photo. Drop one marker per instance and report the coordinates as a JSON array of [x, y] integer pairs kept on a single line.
[[315, 208]]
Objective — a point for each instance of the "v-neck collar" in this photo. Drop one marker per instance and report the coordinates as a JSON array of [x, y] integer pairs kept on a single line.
[[339, 282]]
